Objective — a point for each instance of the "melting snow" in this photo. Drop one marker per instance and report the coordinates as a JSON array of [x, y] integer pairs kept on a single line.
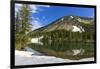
[[26, 58], [79, 20], [37, 40], [76, 29], [62, 19], [78, 51], [82, 29], [71, 16]]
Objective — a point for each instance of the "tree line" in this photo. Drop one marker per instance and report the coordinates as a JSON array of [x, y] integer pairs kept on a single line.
[[59, 35]]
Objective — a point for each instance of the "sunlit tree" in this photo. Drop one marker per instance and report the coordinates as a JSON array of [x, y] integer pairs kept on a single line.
[[22, 26]]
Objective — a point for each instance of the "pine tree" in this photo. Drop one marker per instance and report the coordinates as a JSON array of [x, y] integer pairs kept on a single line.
[[22, 26], [25, 18]]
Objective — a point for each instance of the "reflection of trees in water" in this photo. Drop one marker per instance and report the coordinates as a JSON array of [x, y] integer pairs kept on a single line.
[[64, 48], [64, 45]]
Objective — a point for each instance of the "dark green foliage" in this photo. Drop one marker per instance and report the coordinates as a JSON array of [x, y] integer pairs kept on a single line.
[[22, 26], [65, 35]]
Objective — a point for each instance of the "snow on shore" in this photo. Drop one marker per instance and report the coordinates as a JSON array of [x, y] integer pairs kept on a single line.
[[26, 58], [37, 40]]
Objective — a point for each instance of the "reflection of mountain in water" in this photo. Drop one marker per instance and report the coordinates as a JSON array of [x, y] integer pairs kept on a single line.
[[62, 49]]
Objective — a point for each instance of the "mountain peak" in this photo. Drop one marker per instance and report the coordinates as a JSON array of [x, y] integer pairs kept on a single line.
[[68, 23], [71, 17]]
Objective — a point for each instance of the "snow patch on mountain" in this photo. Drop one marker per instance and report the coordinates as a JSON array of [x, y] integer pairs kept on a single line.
[[62, 19], [82, 29], [71, 16], [80, 20], [76, 29]]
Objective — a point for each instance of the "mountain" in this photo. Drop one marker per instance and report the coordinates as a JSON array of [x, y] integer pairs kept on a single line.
[[64, 35], [69, 23], [68, 28]]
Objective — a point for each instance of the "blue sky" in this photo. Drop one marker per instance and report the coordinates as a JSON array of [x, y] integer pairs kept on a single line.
[[45, 14]]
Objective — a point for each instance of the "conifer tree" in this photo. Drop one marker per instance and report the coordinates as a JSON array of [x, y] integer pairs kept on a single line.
[[22, 26]]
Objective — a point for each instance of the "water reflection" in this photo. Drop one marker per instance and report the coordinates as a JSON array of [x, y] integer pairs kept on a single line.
[[65, 49]]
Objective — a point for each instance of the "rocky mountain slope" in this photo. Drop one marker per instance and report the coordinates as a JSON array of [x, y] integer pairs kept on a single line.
[[69, 23]]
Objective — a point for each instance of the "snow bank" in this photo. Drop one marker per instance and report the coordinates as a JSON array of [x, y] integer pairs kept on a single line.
[[78, 29], [75, 29], [26, 58], [37, 40]]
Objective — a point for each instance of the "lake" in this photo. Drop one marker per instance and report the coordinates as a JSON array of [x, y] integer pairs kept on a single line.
[[64, 49]]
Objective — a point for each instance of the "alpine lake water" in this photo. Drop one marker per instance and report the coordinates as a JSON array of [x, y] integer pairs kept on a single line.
[[65, 49]]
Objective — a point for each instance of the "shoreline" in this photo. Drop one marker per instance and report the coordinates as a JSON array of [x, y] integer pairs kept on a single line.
[[26, 58]]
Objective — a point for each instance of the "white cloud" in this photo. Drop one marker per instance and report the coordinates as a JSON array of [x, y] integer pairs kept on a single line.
[[35, 18], [35, 8], [45, 6], [36, 24], [92, 16]]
